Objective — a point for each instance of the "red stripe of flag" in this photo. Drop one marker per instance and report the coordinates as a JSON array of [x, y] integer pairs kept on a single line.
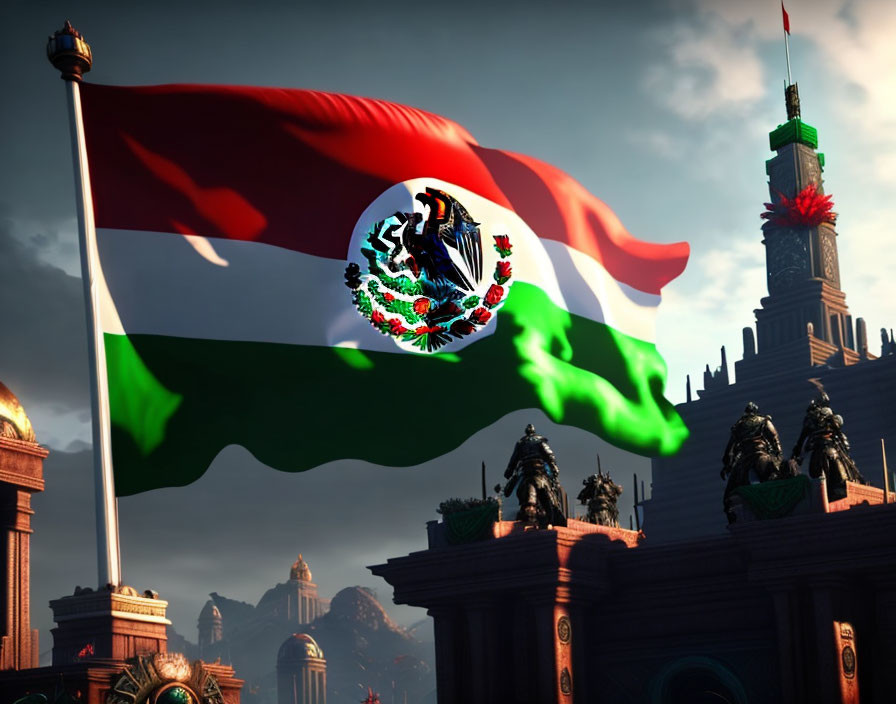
[[296, 169], [786, 19]]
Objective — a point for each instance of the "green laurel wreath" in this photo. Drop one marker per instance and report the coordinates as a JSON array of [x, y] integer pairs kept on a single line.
[[401, 318]]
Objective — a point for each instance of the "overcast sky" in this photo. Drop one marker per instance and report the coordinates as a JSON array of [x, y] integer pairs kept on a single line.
[[662, 109]]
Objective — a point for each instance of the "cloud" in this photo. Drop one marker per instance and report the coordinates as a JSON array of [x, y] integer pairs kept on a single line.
[[43, 352], [707, 69], [867, 263], [658, 141], [853, 42], [708, 308], [858, 47], [49, 241]]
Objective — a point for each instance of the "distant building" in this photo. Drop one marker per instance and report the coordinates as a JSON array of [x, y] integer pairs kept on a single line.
[[282, 607], [211, 626], [296, 601], [301, 671], [363, 645]]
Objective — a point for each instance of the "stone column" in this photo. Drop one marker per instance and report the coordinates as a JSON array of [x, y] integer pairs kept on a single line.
[[825, 679], [790, 662], [545, 651], [553, 654], [445, 630], [21, 474], [578, 643], [483, 675], [524, 672]]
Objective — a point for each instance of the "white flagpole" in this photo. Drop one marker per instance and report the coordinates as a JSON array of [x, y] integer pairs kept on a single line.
[[787, 53], [71, 54]]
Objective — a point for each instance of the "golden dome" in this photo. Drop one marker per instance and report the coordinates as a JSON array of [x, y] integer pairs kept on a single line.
[[300, 570], [13, 421]]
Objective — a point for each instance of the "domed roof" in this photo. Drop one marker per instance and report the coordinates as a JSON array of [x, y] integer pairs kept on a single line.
[[300, 570], [209, 611], [13, 421], [357, 605], [299, 646]]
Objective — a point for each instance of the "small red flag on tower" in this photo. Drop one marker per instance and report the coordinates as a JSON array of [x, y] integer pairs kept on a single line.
[[786, 19]]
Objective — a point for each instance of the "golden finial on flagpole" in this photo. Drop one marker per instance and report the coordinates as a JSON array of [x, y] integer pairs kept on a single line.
[[68, 52]]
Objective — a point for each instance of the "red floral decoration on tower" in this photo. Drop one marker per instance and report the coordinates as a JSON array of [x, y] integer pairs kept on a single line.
[[372, 697], [808, 209]]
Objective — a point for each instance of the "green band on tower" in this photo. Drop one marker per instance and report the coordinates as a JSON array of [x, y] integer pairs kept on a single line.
[[794, 130]]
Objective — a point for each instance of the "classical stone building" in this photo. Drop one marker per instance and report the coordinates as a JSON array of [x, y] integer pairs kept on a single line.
[[301, 671], [225, 625], [804, 331], [295, 601], [21, 475], [798, 610], [363, 646]]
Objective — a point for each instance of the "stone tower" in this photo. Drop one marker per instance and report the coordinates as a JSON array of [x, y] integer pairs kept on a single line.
[[804, 320], [21, 474], [211, 626], [804, 336], [304, 604], [301, 671]]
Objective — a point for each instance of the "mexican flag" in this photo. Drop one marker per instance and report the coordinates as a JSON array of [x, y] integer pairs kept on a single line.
[[318, 277]]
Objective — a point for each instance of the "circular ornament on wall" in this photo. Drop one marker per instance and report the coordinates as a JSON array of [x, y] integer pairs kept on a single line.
[[564, 629], [565, 681], [848, 657]]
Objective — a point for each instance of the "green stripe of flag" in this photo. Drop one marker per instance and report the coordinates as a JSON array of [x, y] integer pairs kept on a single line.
[[176, 402]]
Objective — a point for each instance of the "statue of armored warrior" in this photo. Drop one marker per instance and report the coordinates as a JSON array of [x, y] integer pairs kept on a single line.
[[754, 447], [600, 495], [822, 434], [533, 471]]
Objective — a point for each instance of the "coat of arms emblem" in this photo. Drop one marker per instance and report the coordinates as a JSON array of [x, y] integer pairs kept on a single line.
[[426, 280]]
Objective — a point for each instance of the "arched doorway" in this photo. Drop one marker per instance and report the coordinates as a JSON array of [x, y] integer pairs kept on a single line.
[[697, 680]]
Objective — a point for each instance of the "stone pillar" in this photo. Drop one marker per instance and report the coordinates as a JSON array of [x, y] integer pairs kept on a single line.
[[791, 665], [21, 474], [553, 651], [445, 630], [578, 645], [861, 338], [482, 648]]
